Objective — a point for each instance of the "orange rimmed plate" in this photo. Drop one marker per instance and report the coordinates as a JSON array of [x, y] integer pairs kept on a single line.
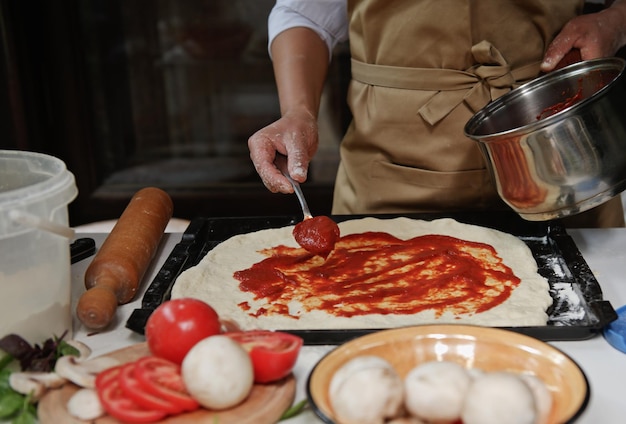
[[485, 348]]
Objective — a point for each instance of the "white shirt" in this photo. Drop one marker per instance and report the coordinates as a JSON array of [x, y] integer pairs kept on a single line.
[[328, 18]]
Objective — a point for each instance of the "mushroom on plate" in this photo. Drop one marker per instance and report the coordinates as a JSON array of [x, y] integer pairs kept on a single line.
[[366, 390], [498, 397], [435, 391]]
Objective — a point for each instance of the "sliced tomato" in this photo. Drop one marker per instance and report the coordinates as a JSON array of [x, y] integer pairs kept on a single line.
[[134, 390], [273, 353], [163, 378], [117, 404], [104, 377]]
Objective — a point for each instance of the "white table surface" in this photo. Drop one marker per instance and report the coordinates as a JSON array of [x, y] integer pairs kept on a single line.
[[605, 367]]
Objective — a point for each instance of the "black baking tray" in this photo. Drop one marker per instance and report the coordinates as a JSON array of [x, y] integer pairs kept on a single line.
[[578, 311]]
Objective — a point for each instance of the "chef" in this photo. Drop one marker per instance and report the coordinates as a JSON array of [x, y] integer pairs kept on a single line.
[[420, 70]]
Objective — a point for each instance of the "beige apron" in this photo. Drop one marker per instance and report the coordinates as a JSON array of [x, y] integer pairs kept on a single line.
[[420, 70]]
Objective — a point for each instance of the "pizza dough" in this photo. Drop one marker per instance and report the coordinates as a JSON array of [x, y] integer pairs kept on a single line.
[[213, 281]]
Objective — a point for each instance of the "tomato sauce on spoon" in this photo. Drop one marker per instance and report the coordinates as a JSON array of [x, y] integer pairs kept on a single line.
[[317, 235]]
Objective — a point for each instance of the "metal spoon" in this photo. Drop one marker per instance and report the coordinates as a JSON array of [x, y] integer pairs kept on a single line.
[[281, 164], [316, 235]]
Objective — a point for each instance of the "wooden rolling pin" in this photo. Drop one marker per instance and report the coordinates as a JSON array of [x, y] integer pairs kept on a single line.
[[114, 275]]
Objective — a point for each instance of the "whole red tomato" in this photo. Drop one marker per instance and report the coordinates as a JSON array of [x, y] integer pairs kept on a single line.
[[177, 325]]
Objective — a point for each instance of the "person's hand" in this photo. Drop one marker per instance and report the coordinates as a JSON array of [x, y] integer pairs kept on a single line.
[[295, 136], [595, 35]]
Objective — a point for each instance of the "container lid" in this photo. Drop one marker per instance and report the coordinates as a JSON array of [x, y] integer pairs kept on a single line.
[[615, 332], [32, 182]]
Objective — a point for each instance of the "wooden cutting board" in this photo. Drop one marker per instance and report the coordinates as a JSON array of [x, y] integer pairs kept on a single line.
[[265, 404]]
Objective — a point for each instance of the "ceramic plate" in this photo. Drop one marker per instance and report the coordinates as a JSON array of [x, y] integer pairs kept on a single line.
[[489, 349]]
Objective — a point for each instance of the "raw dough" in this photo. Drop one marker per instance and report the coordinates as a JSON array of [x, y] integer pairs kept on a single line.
[[212, 280]]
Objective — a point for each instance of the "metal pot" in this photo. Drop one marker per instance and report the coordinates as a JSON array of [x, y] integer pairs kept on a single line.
[[556, 146]]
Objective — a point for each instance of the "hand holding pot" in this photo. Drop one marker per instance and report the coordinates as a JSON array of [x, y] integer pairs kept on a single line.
[[595, 35]]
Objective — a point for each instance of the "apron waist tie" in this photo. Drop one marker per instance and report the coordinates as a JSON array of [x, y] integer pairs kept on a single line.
[[477, 86]]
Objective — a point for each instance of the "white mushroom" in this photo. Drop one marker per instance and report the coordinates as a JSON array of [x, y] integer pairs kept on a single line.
[[85, 405], [218, 372], [366, 390], [83, 350], [50, 380], [435, 390], [35, 383], [83, 373], [542, 395], [22, 383], [499, 397]]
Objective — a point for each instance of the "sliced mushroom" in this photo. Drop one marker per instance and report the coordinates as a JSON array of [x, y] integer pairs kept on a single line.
[[85, 405], [22, 383], [83, 373], [83, 350], [50, 380]]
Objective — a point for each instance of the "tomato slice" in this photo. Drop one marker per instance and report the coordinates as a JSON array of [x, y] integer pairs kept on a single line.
[[117, 404], [134, 390], [163, 378], [104, 377], [273, 353]]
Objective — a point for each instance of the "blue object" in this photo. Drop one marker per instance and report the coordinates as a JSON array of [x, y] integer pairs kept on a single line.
[[615, 332]]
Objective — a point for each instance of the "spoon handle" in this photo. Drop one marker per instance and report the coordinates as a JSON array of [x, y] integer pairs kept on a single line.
[[281, 164]]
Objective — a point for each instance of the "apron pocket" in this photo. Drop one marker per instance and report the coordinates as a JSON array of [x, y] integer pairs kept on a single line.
[[432, 190]]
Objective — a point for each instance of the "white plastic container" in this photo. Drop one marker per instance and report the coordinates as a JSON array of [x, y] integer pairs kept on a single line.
[[35, 279]]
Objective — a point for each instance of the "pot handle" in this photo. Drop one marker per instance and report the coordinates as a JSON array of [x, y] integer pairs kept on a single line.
[[29, 220]]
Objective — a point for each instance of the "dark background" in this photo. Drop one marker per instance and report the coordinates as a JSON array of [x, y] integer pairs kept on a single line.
[[135, 93]]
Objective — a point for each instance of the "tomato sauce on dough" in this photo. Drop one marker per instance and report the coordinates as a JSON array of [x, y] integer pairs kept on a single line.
[[377, 273]]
